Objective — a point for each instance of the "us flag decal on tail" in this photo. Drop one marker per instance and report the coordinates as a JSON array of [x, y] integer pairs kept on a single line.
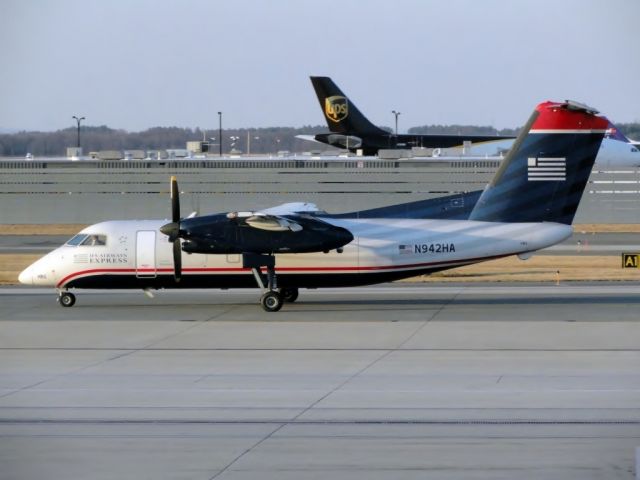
[[546, 169]]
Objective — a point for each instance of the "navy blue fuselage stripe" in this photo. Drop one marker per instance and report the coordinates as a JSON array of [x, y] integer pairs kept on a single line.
[[449, 207]]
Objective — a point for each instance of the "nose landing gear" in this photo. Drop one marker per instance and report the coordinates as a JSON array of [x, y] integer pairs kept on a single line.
[[66, 299]]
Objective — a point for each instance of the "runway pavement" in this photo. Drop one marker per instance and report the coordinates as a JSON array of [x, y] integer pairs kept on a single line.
[[31, 243], [397, 381]]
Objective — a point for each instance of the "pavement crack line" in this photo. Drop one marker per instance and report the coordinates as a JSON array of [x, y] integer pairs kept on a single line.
[[295, 419], [422, 325], [160, 340], [305, 410]]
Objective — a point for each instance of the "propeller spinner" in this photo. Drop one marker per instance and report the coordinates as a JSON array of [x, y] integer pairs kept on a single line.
[[172, 230]]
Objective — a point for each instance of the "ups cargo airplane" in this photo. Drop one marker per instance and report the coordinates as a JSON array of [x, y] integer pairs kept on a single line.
[[529, 205], [350, 129]]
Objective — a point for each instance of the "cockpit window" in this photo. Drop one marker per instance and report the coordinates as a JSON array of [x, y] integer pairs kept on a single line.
[[634, 149], [77, 240], [94, 239], [87, 239]]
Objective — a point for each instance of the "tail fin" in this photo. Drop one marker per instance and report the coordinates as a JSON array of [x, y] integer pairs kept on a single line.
[[615, 134], [342, 115], [546, 170]]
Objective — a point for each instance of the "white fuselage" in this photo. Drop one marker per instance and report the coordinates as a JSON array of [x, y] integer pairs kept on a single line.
[[137, 255]]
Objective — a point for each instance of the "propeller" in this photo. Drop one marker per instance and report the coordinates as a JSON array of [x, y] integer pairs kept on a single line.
[[177, 260], [172, 230]]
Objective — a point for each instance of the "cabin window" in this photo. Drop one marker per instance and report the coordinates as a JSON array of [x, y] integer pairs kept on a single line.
[[94, 240]]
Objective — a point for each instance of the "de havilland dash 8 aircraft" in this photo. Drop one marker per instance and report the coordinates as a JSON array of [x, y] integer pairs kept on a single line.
[[529, 205]]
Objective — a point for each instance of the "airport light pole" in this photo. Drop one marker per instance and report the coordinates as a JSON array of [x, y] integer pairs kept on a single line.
[[78, 120], [249, 142], [396, 114], [220, 130]]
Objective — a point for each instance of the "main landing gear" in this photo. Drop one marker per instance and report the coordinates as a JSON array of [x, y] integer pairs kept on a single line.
[[272, 298], [66, 299], [289, 295]]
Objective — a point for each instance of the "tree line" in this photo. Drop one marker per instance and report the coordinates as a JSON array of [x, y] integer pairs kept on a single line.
[[257, 140], [92, 138]]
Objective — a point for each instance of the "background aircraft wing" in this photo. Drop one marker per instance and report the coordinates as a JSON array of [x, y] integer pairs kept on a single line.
[[291, 208]]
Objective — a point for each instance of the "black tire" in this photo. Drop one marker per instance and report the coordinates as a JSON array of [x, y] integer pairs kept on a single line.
[[271, 301], [289, 295], [67, 299]]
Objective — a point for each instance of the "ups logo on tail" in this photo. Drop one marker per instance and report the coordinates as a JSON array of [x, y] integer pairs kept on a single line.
[[336, 108]]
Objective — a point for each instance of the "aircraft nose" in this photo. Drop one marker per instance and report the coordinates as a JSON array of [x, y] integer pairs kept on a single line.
[[26, 276]]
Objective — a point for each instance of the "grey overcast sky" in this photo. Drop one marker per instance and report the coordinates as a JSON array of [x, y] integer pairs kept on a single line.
[[135, 64]]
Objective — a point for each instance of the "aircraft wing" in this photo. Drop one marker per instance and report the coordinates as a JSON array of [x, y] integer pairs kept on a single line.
[[291, 208]]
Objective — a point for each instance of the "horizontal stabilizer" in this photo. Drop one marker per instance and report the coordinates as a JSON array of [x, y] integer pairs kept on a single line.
[[309, 138]]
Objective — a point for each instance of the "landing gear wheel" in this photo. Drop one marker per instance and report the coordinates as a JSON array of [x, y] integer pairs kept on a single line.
[[271, 301], [289, 295], [67, 299]]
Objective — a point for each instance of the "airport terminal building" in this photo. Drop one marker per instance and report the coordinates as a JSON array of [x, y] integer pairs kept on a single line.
[[50, 191]]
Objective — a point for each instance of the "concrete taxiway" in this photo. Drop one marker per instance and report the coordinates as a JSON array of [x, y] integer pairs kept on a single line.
[[396, 381]]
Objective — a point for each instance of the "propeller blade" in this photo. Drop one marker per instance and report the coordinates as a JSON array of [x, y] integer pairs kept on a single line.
[[177, 260], [172, 230], [175, 200]]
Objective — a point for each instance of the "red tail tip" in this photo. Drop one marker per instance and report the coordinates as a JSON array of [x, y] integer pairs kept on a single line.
[[568, 115]]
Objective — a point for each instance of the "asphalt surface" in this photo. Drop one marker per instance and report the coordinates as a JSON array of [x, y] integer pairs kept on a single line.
[[31, 243], [396, 381]]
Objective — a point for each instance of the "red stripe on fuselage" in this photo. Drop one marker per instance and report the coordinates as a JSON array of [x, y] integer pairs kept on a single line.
[[408, 267], [94, 270]]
